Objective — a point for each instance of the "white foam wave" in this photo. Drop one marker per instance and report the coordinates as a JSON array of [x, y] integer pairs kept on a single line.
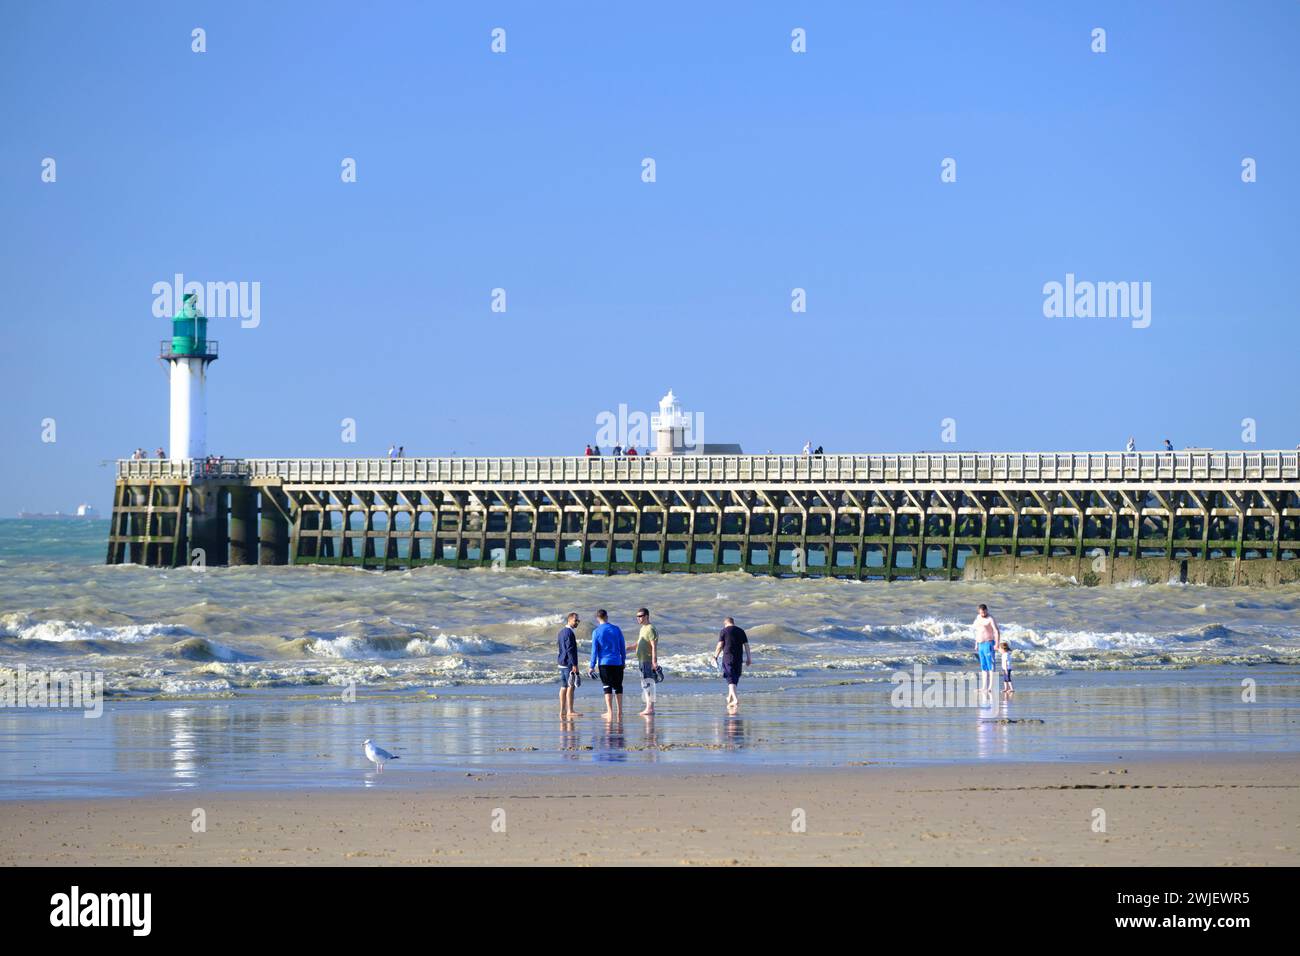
[[179, 686], [350, 647], [542, 620], [23, 628], [453, 644]]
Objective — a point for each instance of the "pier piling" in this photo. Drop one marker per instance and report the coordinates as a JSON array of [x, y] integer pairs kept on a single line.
[[243, 527], [273, 527]]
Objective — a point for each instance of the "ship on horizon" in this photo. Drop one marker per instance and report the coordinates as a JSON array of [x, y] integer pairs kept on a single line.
[[84, 512]]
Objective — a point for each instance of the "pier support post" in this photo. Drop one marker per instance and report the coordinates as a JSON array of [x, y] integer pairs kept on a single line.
[[893, 539], [1015, 535], [136, 497], [864, 515], [1171, 508], [273, 528], [243, 525], [922, 520], [746, 528], [1081, 509], [208, 524], [950, 562], [1207, 517], [1115, 506], [1243, 507]]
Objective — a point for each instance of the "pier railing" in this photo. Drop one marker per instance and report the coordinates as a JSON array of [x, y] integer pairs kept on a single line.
[[976, 467]]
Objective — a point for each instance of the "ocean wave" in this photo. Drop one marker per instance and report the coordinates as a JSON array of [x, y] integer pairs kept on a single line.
[[349, 647], [453, 644], [181, 687], [542, 620], [837, 632], [201, 649], [23, 628], [776, 633], [925, 630], [688, 665], [955, 635]]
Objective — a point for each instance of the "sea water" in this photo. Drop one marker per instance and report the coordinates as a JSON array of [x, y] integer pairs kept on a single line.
[[228, 677]]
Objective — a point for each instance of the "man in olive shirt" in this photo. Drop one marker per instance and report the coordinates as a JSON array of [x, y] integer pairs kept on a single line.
[[647, 658]]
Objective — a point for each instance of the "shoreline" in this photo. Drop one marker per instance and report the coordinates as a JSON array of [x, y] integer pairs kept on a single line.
[[1181, 810]]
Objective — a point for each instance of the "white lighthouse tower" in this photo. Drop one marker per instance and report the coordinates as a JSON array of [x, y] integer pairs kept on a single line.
[[669, 426], [188, 355]]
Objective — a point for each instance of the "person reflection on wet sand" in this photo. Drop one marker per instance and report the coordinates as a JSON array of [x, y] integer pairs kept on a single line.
[[611, 745], [734, 727], [568, 741]]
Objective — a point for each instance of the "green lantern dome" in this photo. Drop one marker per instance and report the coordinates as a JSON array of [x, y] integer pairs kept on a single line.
[[189, 328]]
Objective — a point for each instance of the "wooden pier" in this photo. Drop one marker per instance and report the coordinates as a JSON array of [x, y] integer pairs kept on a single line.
[[1214, 517]]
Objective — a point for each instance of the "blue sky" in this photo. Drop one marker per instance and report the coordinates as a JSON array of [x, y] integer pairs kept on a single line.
[[522, 171]]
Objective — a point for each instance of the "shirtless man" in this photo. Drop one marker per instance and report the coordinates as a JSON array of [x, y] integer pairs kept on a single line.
[[987, 637]]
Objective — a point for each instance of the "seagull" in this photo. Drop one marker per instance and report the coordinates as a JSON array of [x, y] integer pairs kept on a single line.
[[378, 755]]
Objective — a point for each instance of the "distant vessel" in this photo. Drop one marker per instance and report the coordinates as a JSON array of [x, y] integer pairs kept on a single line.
[[85, 511]]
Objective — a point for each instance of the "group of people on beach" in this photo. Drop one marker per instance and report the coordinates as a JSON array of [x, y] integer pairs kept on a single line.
[[609, 650]]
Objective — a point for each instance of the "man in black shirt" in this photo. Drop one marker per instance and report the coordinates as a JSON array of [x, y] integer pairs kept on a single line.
[[733, 644], [567, 641]]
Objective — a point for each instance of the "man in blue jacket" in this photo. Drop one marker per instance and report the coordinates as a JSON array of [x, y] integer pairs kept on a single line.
[[609, 656], [567, 641]]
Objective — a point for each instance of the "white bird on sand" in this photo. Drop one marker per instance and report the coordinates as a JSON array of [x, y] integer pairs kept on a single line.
[[378, 755]]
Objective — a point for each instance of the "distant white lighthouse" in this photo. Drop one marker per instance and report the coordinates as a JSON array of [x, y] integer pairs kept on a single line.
[[669, 426], [188, 354]]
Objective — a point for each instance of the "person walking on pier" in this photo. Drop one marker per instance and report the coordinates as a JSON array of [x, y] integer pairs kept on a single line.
[[631, 452], [987, 636], [608, 659], [567, 640], [1131, 446], [647, 659], [1169, 446], [733, 644]]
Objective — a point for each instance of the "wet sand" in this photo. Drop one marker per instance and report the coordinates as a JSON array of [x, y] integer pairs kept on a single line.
[[275, 741], [1193, 811]]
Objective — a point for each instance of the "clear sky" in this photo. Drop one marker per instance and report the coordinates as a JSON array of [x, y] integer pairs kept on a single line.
[[774, 170]]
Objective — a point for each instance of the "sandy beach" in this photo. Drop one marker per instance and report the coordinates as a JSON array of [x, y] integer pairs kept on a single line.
[[1216, 811]]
